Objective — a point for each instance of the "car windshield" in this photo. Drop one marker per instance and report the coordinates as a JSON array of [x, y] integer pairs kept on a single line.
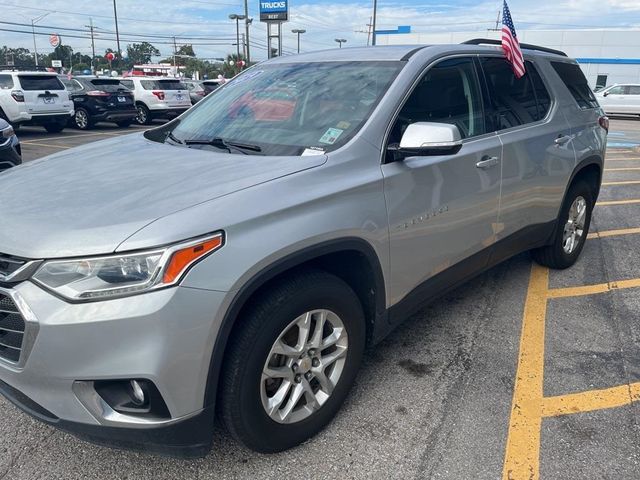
[[290, 109]]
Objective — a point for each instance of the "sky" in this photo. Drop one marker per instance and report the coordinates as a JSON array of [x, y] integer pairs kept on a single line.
[[205, 23]]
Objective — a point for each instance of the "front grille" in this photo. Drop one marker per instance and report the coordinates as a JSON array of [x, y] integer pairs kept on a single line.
[[9, 264], [11, 329]]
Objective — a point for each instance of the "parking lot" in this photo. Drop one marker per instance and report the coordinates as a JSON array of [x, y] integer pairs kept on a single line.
[[521, 373]]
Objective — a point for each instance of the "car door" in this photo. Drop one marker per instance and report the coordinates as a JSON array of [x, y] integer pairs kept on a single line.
[[538, 154], [633, 99], [614, 100], [442, 208]]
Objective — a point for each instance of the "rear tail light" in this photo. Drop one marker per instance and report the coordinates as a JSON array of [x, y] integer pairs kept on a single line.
[[200, 93], [97, 93], [604, 122], [159, 94], [18, 95]]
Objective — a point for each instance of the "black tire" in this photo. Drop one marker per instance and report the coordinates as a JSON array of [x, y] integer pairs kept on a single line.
[[124, 123], [268, 315], [82, 119], [144, 116], [54, 127], [554, 255]]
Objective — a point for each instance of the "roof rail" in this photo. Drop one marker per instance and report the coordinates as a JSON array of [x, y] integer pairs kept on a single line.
[[528, 46], [17, 68]]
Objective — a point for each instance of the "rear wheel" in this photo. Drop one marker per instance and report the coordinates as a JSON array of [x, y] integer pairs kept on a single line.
[[54, 127], [292, 361], [571, 232], [144, 116], [82, 119]]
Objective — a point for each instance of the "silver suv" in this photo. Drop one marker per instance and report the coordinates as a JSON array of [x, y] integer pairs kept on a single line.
[[241, 257]]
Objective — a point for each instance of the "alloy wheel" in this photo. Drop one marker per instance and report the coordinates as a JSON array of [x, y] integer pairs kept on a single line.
[[82, 121], [304, 366], [574, 228]]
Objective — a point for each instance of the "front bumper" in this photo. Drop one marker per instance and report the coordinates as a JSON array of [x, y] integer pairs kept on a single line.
[[165, 337], [10, 153]]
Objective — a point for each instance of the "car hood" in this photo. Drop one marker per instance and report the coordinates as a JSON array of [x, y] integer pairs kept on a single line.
[[88, 200]]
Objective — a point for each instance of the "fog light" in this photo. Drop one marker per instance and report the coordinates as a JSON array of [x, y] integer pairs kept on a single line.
[[137, 394]]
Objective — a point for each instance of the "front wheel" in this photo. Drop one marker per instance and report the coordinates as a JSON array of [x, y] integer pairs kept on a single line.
[[144, 116], [571, 231], [292, 361], [82, 120]]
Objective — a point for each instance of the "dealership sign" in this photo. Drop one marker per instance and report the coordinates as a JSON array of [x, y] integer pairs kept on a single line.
[[274, 10]]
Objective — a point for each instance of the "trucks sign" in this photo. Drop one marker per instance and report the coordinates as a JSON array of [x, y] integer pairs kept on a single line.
[[274, 10]]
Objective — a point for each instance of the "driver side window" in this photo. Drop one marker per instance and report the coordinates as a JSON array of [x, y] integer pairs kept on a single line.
[[447, 93]]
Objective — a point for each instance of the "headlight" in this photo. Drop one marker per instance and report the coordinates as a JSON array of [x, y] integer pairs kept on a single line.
[[124, 274]]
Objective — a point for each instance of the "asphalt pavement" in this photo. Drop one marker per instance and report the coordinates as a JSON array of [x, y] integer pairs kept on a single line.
[[520, 373]]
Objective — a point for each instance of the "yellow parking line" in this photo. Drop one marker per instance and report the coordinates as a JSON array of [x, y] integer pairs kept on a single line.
[[621, 159], [591, 400], [617, 202], [522, 456], [624, 169], [48, 145], [625, 182], [614, 233], [593, 289]]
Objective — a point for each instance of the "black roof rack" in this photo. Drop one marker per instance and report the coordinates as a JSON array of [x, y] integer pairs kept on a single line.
[[528, 46]]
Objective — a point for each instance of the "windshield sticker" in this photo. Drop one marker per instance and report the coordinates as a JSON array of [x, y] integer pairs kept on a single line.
[[243, 78], [343, 125], [331, 136], [312, 151]]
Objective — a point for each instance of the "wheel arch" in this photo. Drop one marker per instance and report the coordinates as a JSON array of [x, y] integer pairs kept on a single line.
[[589, 169], [352, 259]]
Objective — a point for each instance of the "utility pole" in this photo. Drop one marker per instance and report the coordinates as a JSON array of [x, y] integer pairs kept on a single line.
[[33, 30], [115, 16], [369, 25], [246, 27], [244, 46], [93, 46], [175, 51], [375, 14]]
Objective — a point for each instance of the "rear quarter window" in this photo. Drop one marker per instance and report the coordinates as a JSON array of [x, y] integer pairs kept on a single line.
[[574, 79], [6, 82], [40, 82]]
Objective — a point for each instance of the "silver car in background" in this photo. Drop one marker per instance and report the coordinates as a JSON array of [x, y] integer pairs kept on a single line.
[[251, 249]]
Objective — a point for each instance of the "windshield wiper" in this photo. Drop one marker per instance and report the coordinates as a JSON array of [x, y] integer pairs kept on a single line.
[[222, 143], [173, 138]]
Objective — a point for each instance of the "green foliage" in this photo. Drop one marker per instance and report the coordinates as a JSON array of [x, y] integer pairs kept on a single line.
[[141, 53]]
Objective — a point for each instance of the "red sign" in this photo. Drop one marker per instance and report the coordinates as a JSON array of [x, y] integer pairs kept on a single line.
[[54, 40], [110, 56]]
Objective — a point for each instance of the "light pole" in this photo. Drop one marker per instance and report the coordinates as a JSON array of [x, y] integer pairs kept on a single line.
[[115, 16], [375, 16], [33, 30], [247, 22], [341, 41], [298, 31], [237, 18]]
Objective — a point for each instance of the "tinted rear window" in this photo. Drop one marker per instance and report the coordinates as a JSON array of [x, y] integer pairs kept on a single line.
[[6, 81], [40, 82], [576, 82], [107, 84], [163, 85]]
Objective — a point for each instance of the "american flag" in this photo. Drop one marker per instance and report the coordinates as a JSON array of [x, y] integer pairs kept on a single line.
[[510, 44]]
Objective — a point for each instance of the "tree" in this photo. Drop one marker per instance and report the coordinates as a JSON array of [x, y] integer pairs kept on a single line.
[[229, 70], [61, 52], [141, 53], [20, 57]]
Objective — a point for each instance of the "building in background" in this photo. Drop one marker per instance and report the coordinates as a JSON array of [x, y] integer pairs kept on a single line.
[[605, 56]]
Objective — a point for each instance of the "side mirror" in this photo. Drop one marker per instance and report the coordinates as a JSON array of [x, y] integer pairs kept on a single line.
[[428, 138], [605, 94]]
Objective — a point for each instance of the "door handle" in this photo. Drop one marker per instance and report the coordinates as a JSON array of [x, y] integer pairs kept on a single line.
[[562, 139], [487, 162]]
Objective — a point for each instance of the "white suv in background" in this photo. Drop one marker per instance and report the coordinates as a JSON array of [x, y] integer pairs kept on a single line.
[[620, 98], [34, 98], [158, 97]]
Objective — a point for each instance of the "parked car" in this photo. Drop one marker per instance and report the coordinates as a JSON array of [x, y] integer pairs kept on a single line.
[[196, 90], [245, 260], [620, 99], [98, 99], [34, 98], [158, 97], [10, 152], [210, 85]]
